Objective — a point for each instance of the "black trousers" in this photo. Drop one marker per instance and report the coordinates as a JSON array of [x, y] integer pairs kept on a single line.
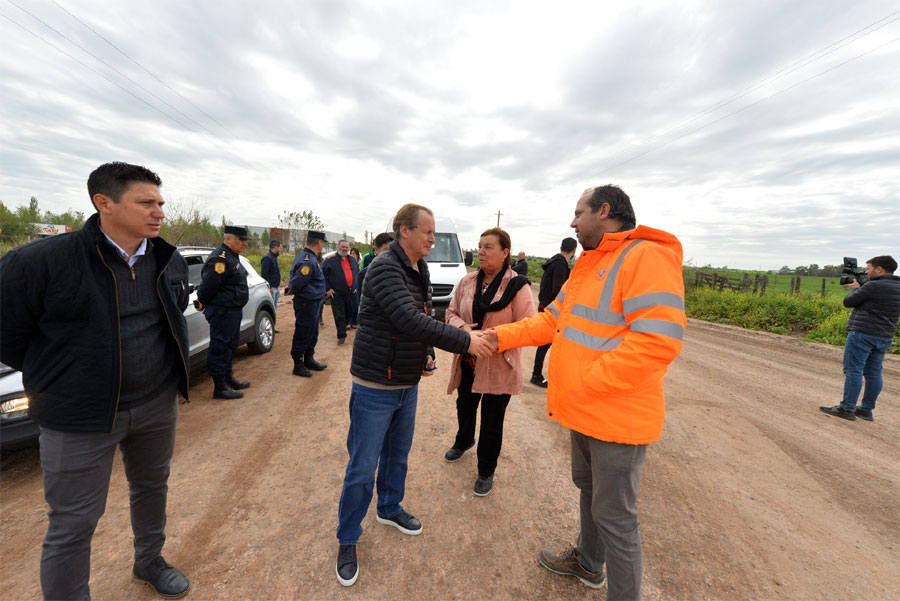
[[306, 327], [224, 336], [539, 355], [493, 411], [343, 307]]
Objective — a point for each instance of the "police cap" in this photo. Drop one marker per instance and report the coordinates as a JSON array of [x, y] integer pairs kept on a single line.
[[236, 230], [315, 235]]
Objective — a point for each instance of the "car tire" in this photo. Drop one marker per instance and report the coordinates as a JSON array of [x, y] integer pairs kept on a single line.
[[263, 333]]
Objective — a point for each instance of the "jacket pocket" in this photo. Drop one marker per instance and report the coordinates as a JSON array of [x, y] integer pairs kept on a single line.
[[41, 373]]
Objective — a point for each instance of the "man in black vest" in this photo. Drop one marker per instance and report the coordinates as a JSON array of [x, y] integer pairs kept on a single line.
[[222, 296], [556, 272], [94, 320]]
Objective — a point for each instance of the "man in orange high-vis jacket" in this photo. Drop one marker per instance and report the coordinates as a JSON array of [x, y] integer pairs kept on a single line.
[[615, 326]]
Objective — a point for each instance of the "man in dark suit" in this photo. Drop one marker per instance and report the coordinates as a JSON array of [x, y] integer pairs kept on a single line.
[[340, 271]]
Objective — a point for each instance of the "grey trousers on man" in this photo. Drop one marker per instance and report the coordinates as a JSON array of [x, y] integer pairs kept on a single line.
[[77, 468], [609, 476]]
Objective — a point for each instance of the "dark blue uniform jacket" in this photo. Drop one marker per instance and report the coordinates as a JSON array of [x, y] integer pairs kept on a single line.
[[224, 282], [306, 279]]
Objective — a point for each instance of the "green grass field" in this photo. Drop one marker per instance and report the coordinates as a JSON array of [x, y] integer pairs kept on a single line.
[[777, 284]]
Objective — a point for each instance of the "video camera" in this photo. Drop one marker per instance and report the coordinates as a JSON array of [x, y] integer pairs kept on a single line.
[[850, 272]]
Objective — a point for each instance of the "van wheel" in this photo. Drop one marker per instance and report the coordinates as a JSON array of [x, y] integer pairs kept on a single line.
[[263, 333]]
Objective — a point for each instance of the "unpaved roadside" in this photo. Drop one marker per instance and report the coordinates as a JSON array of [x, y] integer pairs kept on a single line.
[[752, 493]]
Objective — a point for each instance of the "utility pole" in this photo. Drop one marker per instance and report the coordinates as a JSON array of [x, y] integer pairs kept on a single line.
[[498, 218]]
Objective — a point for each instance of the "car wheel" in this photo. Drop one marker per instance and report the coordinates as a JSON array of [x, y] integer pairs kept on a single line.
[[263, 333]]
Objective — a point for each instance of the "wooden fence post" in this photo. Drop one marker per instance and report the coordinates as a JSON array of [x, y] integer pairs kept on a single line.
[[755, 283], [697, 279], [715, 280], [823, 286], [765, 282]]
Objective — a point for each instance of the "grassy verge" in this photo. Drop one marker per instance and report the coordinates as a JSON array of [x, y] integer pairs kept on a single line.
[[809, 316]]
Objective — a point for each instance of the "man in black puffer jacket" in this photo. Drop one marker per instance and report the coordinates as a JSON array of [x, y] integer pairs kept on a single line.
[[94, 321], [871, 328], [391, 352]]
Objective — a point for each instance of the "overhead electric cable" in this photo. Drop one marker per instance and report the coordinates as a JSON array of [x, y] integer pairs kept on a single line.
[[123, 88], [145, 69], [815, 56], [86, 51]]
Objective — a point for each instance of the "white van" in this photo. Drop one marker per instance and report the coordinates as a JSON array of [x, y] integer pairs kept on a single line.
[[446, 264]]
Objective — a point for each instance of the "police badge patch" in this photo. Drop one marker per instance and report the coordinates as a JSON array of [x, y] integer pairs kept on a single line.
[[219, 267], [305, 270]]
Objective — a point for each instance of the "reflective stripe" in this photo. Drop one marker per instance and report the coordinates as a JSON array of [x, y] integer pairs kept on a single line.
[[592, 342], [602, 314], [653, 299], [553, 310], [658, 326], [561, 297]]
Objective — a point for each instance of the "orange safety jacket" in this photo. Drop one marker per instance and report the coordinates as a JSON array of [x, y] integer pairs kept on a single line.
[[615, 326]]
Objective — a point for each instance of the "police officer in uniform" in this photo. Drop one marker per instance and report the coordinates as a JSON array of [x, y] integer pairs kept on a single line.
[[222, 296], [308, 286]]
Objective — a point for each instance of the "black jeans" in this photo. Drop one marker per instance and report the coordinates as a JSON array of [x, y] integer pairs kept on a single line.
[[493, 410], [539, 355], [343, 306], [77, 468]]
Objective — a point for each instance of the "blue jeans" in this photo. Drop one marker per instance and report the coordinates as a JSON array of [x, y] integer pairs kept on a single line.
[[276, 294], [863, 355], [380, 436]]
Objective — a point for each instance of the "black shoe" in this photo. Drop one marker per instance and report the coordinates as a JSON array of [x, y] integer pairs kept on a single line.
[[864, 414], [839, 411], [483, 485], [403, 522], [539, 381], [347, 568], [223, 391], [310, 362], [454, 454], [342, 340], [300, 369], [234, 382], [168, 582]]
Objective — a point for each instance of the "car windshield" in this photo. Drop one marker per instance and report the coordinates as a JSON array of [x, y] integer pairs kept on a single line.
[[445, 249]]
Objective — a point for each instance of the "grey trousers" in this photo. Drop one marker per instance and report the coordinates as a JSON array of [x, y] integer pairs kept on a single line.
[[77, 468], [609, 475]]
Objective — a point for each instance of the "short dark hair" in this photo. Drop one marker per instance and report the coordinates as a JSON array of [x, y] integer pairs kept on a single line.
[[886, 262], [505, 242], [274, 243], [382, 239], [112, 179], [568, 245], [619, 204]]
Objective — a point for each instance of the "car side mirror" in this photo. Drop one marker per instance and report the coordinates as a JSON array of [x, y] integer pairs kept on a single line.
[[470, 258]]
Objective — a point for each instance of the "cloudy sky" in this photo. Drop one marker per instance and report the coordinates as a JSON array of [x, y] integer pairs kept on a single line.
[[761, 133]]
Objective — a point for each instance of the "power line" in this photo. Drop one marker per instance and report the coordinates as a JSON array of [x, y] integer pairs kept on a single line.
[[88, 52], [145, 69], [124, 89], [815, 56], [761, 100]]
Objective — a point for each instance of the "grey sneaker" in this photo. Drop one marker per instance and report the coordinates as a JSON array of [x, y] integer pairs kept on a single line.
[[483, 485], [403, 522], [347, 568], [864, 414], [838, 411], [567, 564]]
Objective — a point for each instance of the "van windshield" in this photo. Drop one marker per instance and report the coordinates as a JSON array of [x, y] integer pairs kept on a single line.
[[445, 249]]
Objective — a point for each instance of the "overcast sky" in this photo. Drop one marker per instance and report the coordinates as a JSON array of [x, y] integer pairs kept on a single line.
[[760, 133]]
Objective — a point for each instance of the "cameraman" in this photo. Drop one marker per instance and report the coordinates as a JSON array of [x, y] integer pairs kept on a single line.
[[876, 310]]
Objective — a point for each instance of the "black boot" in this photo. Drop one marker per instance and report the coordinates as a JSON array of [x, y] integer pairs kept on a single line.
[[234, 382], [310, 362], [224, 391], [300, 369]]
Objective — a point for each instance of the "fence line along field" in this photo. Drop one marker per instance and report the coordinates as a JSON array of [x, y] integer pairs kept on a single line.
[[775, 283]]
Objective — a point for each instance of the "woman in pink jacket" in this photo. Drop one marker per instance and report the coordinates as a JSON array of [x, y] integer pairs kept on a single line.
[[491, 296]]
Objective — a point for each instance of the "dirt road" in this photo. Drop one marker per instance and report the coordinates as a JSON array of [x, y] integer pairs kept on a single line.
[[752, 493]]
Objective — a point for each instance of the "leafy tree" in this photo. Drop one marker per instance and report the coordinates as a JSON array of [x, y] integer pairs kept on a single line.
[[297, 224], [785, 270], [801, 270], [13, 228]]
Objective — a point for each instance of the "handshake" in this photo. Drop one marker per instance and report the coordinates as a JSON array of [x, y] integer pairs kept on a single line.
[[482, 343]]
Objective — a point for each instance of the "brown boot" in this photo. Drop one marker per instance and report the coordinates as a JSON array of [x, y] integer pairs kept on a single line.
[[567, 564]]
